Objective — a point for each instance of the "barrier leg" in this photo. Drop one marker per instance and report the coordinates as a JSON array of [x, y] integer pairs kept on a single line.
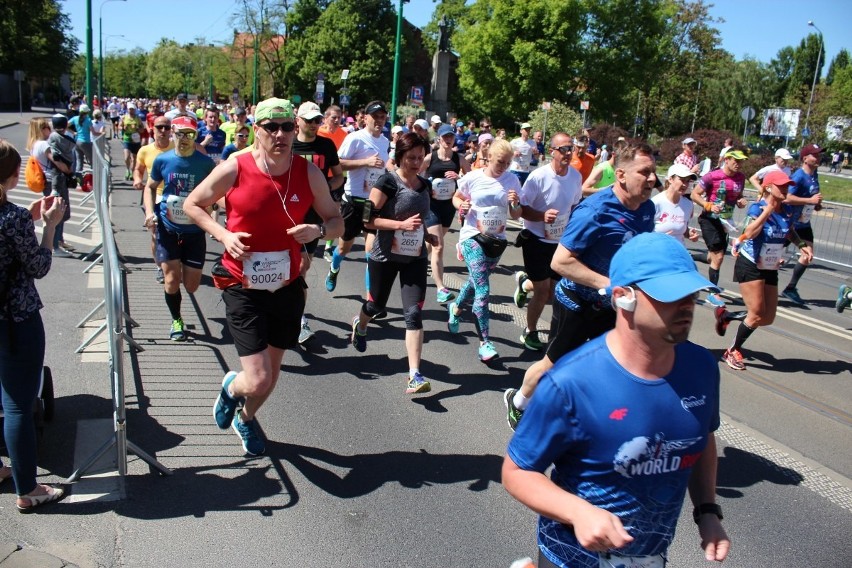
[[86, 319], [92, 337]]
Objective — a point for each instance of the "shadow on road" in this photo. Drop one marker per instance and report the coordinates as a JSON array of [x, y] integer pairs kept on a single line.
[[739, 469]]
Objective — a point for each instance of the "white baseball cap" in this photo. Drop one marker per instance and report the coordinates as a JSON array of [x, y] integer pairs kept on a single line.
[[396, 129], [436, 119], [783, 153]]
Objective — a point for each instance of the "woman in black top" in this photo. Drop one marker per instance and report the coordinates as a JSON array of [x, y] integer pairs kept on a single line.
[[22, 259]]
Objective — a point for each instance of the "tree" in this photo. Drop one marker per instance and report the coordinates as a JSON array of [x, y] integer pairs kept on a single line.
[[560, 118], [35, 36], [840, 61], [782, 70], [514, 54], [168, 69], [266, 22], [125, 73], [349, 34], [804, 65]]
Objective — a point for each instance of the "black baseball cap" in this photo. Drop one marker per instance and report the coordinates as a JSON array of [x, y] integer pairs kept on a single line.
[[182, 96], [375, 106]]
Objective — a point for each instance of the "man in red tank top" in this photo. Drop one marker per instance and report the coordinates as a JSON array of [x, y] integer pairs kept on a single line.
[[267, 192]]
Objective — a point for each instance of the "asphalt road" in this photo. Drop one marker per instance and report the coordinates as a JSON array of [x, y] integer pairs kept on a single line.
[[359, 474]]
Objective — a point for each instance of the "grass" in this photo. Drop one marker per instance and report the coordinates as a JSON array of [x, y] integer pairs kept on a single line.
[[835, 188]]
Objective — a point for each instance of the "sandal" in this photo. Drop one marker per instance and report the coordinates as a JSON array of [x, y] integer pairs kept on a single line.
[[53, 494]]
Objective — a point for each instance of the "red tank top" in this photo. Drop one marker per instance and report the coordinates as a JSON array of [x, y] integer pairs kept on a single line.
[[254, 206]]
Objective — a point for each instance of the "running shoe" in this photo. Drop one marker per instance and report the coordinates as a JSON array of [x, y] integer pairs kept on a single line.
[[65, 246], [513, 413], [253, 443], [359, 340], [161, 278], [793, 295], [843, 300], [305, 334], [61, 253], [734, 359], [328, 255], [178, 332], [226, 405], [418, 384], [520, 293], [453, 321], [128, 175], [445, 295], [331, 280], [715, 300], [531, 341], [487, 351], [722, 321]]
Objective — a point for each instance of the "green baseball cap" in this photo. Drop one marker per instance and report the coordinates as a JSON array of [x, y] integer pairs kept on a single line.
[[267, 109]]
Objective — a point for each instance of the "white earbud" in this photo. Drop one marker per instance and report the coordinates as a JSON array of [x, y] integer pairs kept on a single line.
[[625, 303]]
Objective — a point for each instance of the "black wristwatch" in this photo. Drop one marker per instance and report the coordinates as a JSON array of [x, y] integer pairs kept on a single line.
[[706, 509], [322, 231]]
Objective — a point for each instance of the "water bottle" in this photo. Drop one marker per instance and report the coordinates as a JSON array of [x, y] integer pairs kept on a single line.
[[720, 198]]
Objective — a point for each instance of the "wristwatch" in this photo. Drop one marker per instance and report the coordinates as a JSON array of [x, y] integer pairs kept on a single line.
[[322, 231], [706, 509]]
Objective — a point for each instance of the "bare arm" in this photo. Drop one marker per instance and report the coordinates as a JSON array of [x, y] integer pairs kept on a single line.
[[595, 529], [209, 191], [372, 162], [755, 181], [594, 177], [325, 206], [337, 180], [565, 263], [702, 489]]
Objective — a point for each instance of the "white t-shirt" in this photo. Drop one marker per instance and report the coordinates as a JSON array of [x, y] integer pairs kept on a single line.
[[545, 190], [113, 110], [98, 127], [761, 173], [489, 203], [671, 218], [357, 146], [522, 163]]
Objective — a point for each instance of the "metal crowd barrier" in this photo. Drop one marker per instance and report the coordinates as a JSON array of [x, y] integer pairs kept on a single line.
[[113, 303]]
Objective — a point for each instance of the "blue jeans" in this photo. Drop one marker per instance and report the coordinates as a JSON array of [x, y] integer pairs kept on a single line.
[[21, 360]]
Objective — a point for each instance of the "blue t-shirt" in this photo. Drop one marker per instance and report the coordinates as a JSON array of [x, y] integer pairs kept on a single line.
[[229, 149], [180, 176], [622, 443], [83, 134], [806, 185], [773, 236], [596, 230], [216, 146]]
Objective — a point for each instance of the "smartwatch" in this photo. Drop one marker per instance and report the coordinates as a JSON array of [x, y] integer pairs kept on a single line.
[[322, 231], [706, 509]]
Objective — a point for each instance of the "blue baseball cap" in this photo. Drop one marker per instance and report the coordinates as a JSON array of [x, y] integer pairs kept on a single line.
[[446, 129], [658, 264]]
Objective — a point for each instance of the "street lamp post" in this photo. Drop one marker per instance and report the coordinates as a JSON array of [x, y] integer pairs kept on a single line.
[[395, 88], [210, 95], [813, 85], [101, 48]]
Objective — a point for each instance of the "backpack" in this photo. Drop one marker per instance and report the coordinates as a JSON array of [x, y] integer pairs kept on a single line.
[[34, 176]]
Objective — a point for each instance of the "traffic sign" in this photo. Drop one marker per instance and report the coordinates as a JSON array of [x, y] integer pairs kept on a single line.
[[545, 106], [345, 74], [806, 132], [344, 100], [318, 97], [747, 113], [584, 105]]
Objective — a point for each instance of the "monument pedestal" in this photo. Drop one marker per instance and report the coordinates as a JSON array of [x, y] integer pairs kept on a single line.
[[441, 64]]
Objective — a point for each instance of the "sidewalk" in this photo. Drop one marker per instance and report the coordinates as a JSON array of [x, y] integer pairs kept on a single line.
[[14, 556]]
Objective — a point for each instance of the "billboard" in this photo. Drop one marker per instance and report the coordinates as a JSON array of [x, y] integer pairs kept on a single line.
[[780, 122], [836, 127]]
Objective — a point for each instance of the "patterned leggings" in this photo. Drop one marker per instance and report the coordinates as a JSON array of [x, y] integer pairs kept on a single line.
[[479, 268]]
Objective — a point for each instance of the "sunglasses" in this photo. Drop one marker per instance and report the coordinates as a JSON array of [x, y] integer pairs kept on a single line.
[[242, 135], [186, 135], [274, 127], [317, 120], [563, 149], [162, 126]]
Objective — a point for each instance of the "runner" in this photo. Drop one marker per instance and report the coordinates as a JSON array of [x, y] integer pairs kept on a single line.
[[761, 249], [268, 192], [444, 167], [673, 210], [400, 204], [805, 196], [597, 229], [782, 156], [844, 298], [716, 194], [322, 153], [181, 244], [603, 175], [524, 149], [364, 155], [547, 199], [211, 139], [130, 128], [483, 197], [144, 161]]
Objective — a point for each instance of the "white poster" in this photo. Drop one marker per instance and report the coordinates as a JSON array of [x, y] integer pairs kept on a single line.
[[783, 122], [836, 126]]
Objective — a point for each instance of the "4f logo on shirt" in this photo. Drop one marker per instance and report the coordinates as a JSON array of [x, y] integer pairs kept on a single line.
[[644, 456]]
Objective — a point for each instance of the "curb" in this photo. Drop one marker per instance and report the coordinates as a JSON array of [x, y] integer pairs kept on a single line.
[[15, 556]]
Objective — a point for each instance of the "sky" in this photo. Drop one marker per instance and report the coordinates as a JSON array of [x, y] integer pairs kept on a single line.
[[754, 28]]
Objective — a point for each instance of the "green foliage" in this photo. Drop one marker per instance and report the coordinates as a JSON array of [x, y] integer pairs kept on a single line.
[[840, 61], [804, 63], [125, 74], [168, 70], [35, 36], [350, 34], [560, 118]]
